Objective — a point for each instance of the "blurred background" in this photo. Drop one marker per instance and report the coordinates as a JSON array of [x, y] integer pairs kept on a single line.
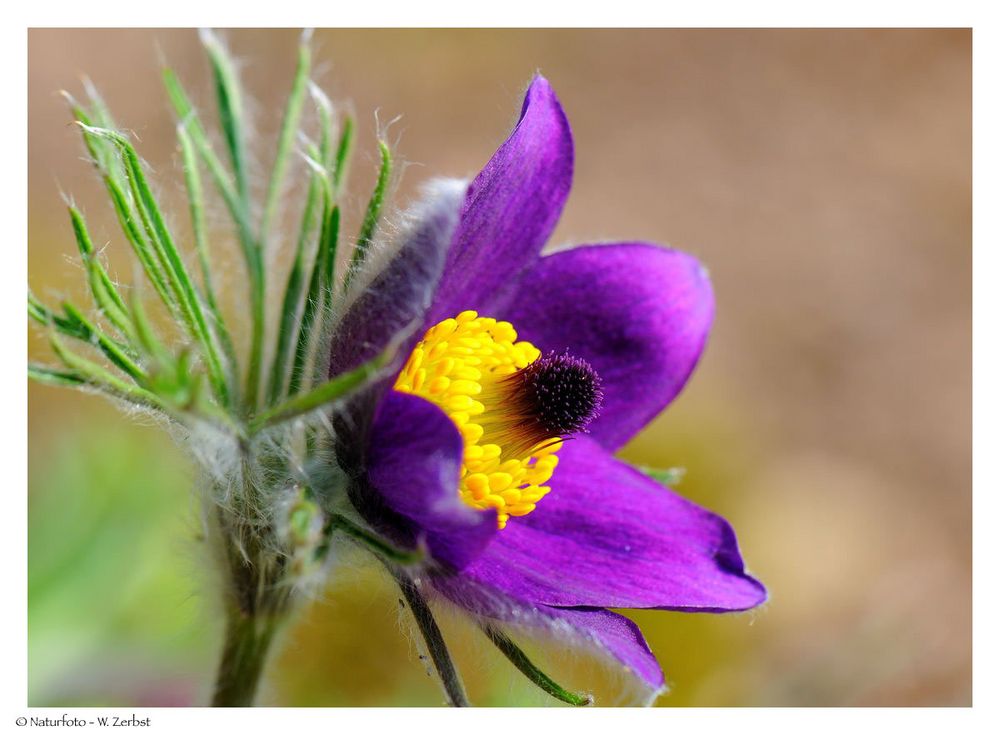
[[823, 176]]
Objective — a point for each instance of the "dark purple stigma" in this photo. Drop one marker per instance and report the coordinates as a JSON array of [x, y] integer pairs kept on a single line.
[[561, 392]]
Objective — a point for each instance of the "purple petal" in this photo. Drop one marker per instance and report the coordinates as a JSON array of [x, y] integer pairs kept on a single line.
[[389, 299], [619, 637], [610, 633], [638, 313], [511, 208], [414, 458], [395, 287], [608, 536]]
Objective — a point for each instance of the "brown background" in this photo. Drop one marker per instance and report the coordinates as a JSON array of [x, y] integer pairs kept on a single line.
[[823, 176]]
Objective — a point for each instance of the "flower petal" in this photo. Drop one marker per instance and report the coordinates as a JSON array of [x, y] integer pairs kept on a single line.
[[619, 637], [388, 300], [396, 284], [511, 208], [638, 313], [414, 458], [611, 633], [608, 536]]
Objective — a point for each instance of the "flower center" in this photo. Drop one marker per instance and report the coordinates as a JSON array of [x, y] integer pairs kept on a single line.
[[512, 405]]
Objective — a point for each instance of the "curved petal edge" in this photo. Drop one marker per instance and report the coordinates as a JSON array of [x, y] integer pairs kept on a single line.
[[511, 208], [608, 536], [638, 313], [414, 459]]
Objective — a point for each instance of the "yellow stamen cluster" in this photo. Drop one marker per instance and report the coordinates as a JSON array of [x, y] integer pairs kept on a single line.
[[458, 366]]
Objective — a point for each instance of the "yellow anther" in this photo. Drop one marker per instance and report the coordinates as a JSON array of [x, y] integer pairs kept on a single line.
[[464, 357], [466, 387], [500, 481], [490, 451], [472, 434], [438, 385]]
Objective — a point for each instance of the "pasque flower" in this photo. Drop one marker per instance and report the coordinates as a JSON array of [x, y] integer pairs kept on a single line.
[[493, 444], [476, 389]]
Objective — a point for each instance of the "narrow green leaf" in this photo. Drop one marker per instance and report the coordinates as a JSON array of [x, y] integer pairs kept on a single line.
[[188, 117], [329, 392], [315, 161], [535, 675], [105, 293], [175, 383], [99, 116], [326, 292], [52, 376], [178, 277], [112, 350], [146, 335], [330, 237], [141, 246], [106, 158], [292, 303], [229, 98], [256, 360], [196, 208], [286, 138], [98, 377], [327, 129], [372, 213], [102, 115], [37, 311], [196, 204], [315, 300], [46, 317], [241, 218], [343, 156], [102, 153], [77, 326]]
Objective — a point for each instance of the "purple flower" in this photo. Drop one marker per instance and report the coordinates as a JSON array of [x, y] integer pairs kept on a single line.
[[548, 533]]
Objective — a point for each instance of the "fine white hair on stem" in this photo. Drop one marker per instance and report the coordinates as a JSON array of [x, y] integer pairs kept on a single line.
[[383, 128]]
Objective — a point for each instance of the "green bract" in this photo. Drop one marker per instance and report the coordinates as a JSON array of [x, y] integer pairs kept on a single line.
[[250, 407], [239, 387]]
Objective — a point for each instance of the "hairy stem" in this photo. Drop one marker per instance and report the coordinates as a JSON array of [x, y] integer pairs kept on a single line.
[[248, 638], [450, 680], [258, 600]]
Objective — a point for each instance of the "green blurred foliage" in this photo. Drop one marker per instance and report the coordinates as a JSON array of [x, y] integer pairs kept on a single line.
[[113, 609]]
